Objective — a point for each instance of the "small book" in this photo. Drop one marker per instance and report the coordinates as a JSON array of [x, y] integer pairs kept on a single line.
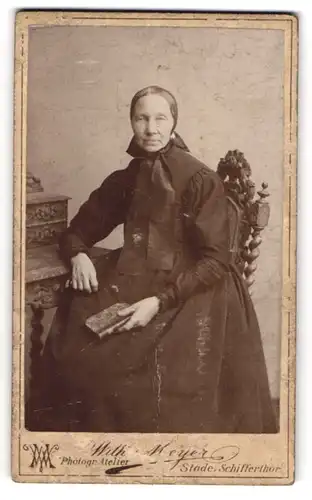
[[107, 321]]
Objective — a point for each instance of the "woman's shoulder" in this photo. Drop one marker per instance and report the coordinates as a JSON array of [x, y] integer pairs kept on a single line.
[[190, 161], [205, 175], [204, 184], [196, 170], [121, 177], [191, 174], [205, 181], [129, 170]]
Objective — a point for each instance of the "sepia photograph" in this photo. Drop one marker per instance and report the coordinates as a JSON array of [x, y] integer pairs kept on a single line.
[[154, 237]]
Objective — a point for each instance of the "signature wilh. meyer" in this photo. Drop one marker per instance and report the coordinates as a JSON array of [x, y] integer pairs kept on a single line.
[[179, 458]]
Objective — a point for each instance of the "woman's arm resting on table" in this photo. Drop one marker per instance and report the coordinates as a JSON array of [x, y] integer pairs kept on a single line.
[[104, 210]]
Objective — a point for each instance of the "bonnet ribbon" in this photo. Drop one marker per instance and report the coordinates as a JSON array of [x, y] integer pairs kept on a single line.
[[150, 230]]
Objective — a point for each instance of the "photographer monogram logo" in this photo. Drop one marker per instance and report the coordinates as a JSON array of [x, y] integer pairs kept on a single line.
[[41, 455]]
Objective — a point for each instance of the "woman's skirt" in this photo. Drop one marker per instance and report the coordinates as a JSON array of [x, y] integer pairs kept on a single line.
[[197, 368]]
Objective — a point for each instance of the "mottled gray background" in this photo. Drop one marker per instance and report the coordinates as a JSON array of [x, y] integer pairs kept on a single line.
[[229, 87]]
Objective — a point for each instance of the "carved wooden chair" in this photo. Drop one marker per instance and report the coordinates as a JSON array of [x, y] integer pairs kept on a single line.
[[248, 216]]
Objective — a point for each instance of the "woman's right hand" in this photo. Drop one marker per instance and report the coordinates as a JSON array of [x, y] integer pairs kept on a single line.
[[83, 274]]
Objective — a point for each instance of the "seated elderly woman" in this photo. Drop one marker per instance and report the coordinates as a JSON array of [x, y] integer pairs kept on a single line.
[[188, 355]]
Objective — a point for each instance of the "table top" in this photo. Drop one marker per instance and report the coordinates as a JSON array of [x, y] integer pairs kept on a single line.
[[43, 197], [44, 262]]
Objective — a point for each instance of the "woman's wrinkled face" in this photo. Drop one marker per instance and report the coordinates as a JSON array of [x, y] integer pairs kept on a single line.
[[152, 122]]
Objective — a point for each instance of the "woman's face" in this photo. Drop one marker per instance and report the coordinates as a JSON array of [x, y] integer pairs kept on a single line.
[[152, 122]]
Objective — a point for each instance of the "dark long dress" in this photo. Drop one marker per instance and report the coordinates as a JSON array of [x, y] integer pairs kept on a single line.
[[198, 366]]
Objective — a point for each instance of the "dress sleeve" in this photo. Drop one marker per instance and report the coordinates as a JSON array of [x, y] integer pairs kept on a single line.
[[104, 210], [207, 229]]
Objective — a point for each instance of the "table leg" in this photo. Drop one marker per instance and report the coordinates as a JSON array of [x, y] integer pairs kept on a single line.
[[35, 362]]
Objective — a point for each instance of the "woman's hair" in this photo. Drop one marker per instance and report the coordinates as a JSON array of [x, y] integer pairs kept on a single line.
[[154, 89]]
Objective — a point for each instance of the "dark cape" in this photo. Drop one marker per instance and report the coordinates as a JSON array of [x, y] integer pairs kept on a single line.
[[198, 366]]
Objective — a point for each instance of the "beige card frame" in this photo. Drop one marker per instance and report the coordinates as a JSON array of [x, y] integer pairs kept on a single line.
[[277, 450]]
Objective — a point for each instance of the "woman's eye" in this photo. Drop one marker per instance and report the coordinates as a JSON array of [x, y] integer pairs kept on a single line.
[[161, 118]]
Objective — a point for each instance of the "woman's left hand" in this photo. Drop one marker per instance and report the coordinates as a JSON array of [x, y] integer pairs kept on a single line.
[[142, 313]]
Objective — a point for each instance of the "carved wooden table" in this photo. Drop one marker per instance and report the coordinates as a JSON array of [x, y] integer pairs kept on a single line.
[[46, 219], [46, 274]]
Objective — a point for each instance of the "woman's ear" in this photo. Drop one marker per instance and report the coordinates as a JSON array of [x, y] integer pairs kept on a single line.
[[172, 135]]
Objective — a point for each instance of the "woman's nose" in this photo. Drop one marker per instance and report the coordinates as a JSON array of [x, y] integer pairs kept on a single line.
[[151, 127]]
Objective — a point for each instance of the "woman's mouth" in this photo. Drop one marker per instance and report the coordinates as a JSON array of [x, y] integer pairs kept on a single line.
[[151, 141]]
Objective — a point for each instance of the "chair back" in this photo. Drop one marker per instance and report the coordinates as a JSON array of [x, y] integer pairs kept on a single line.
[[248, 215]]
